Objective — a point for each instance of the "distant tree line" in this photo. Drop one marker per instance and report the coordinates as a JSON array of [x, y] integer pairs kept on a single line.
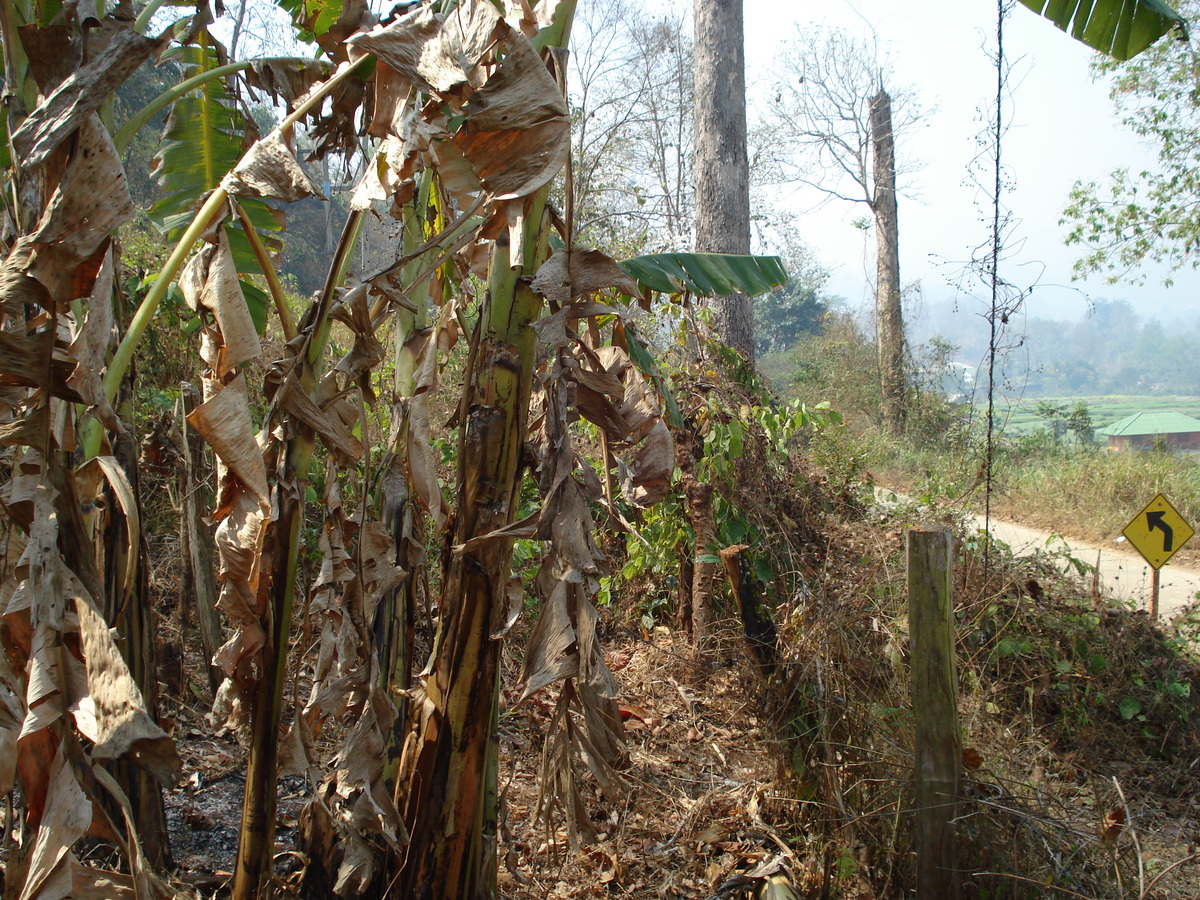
[[1110, 350]]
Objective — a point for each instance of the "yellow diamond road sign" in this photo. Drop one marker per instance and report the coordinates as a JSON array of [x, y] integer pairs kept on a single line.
[[1158, 531]]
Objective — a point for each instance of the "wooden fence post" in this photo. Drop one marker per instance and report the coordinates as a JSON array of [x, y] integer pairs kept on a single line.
[[935, 709]]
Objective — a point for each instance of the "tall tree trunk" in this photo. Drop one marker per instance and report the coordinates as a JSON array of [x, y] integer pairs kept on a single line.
[[889, 321], [722, 167]]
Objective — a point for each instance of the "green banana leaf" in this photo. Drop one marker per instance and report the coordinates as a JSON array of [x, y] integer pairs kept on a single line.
[[1119, 28], [314, 18], [204, 139], [706, 274]]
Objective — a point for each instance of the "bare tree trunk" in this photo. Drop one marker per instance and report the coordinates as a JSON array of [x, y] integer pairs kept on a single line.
[[722, 167], [889, 321]]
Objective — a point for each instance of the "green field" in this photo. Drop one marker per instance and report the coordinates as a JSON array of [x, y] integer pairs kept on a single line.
[[1020, 415]]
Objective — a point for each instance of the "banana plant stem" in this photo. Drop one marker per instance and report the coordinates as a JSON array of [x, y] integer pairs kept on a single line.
[[142, 22], [344, 71], [318, 316], [252, 871], [274, 286], [213, 207]]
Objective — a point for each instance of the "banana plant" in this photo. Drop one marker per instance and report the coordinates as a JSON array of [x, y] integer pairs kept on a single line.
[[490, 175], [72, 703], [262, 488]]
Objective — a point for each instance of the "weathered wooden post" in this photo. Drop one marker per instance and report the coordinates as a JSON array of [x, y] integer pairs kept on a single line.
[[935, 708], [1154, 594]]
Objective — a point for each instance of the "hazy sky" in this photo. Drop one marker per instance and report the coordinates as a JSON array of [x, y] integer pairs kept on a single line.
[[1063, 128]]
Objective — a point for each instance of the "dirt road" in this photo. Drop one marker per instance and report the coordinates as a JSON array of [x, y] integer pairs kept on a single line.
[[1123, 572]]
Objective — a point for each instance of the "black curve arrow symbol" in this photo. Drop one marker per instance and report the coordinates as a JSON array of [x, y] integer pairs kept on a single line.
[[1155, 520]]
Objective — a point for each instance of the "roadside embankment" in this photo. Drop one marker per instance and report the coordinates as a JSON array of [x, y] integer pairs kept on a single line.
[[1123, 572]]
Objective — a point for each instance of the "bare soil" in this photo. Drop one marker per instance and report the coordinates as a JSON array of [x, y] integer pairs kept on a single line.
[[722, 780]]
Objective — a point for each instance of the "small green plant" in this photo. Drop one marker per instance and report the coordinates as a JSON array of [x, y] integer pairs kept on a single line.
[[652, 554], [1136, 689], [1064, 554], [844, 457], [1129, 708], [652, 607], [847, 865]]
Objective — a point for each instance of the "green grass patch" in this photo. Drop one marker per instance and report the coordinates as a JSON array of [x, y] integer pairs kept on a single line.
[[1019, 416]]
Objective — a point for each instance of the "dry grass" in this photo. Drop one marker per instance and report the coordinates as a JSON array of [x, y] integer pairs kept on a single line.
[[1080, 719], [815, 768]]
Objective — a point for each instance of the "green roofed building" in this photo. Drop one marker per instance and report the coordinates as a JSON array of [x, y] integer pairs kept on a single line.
[[1141, 431]]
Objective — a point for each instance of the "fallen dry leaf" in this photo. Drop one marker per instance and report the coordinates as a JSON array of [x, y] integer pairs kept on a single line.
[[1113, 824], [618, 659], [715, 833], [630, 710], [200, 821], [606, 863]]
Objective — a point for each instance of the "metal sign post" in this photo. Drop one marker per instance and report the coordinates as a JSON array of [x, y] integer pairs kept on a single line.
[[1157, 532]]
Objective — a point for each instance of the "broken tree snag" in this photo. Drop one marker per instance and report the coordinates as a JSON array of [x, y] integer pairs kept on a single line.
[[758, 627], [938, 748]]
